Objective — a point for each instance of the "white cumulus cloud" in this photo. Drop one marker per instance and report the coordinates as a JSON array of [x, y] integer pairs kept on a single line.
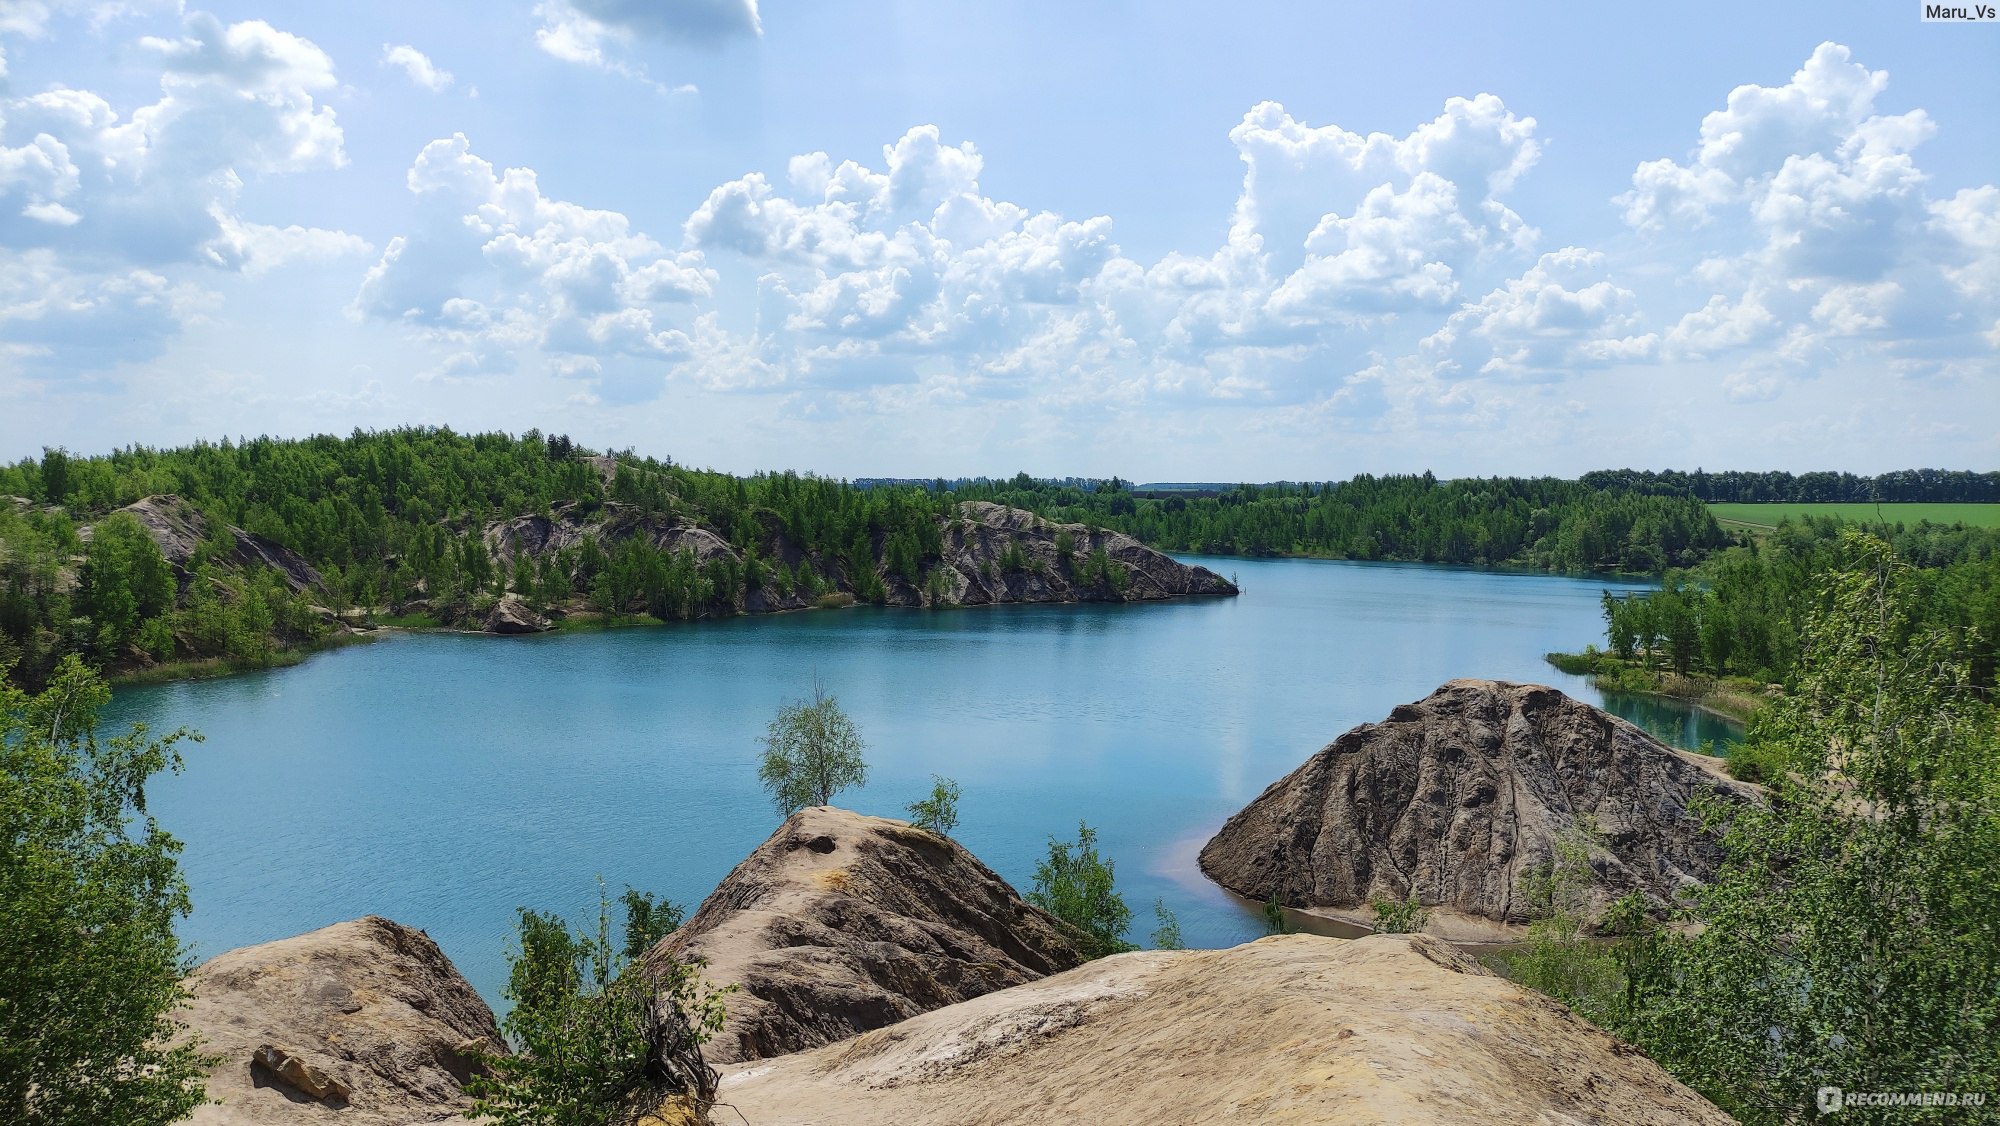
[[496, 270], [102, 208], [416, 66]]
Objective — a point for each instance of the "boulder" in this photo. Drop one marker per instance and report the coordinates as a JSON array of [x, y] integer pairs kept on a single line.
[[512, 614], [1295, 1028], [1460, 796], [364, 1022], [841, 923]]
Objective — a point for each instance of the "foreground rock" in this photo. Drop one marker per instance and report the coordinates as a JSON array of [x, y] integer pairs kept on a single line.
[[364, 1022], [1459, 796], [1298, 1028], [841, 923]]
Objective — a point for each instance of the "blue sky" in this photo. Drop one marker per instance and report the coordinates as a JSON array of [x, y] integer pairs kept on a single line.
[[1170, 241]]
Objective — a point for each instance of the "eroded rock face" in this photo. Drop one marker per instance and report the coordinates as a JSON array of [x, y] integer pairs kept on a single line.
[[179, 528], [1296, 1028], [1459, 796], [841, 923], [990, 554], [364, 1022], [975, 548]]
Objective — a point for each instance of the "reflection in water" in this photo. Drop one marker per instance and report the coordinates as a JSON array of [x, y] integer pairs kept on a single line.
[[1676, 723]]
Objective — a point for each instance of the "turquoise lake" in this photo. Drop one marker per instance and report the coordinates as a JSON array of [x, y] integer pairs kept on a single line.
[[444, 780]]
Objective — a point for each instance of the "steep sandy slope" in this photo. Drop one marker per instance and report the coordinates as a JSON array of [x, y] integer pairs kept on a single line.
[[1299, 1028]]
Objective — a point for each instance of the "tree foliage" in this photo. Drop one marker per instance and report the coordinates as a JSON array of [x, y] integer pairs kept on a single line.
[[90, 887], [1166, 928], [938, 812], [1737, 613], [812, 751], [1077, 886], [1850, 938], [599, 1038], [648, 919]]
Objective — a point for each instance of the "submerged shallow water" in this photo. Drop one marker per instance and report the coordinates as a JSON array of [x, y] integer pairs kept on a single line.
[[444, 780]]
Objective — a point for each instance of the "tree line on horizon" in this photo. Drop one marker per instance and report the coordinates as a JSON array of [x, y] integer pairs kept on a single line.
[[1902, 486]]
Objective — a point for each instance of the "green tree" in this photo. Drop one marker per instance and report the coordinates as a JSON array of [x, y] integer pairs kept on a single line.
[[1275, 920], [1850, 938], [648, 919], [1559, 957], [812, 751], [599, 1039], [1076, 885], [1167, 928], [125, 580], [90, 886], [939, 812]]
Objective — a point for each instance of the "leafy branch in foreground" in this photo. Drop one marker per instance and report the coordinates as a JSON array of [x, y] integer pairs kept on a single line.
[[599, 1037], [1850, 938], [90, 969]]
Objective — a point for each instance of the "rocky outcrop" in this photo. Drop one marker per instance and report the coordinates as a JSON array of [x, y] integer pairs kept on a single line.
[[1298, 1028], [179, 529], [990, 554], [980, 568], [1460, 796], [841, 923], [364, 1022], [512, 614]]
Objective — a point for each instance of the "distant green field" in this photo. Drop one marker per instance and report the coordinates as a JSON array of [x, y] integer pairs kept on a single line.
[[1768, 515]]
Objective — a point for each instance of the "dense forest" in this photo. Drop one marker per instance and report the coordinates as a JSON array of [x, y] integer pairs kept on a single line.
[[1737, 613], [417, 526], [1936, 486], [1541, 522]]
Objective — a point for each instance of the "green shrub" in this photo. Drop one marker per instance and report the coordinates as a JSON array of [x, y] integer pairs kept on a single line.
[[599, 1039], [1399, 916], [1077, 886], [939, 812]]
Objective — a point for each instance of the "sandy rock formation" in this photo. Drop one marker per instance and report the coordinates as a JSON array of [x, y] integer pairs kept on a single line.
[[1460, 795], [179, 528], [512, 614], [841, 923], [1298, 1028], [364, 1022]]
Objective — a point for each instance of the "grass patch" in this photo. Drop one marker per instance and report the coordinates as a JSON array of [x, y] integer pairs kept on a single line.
[[835, 601], [407, 621], [207, 668], [591, 621], [1766, 516]]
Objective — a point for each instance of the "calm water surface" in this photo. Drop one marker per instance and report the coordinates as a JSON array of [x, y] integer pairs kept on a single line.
[[443, 780]]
